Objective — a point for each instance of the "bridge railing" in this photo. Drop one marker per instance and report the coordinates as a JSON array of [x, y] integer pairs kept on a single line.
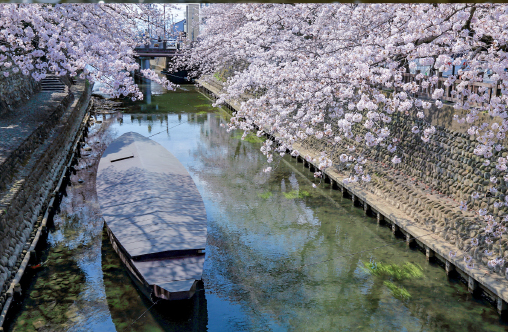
[[450, 91], [154, 50]]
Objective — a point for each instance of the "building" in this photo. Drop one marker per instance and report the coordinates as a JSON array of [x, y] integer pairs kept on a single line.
[[192, 22], [178, 28]]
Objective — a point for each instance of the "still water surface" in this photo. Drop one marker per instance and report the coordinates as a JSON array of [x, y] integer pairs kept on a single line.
[[279, 257]]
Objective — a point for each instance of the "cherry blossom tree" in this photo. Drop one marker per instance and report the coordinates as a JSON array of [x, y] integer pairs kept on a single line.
[[322, 70], [96, 41]]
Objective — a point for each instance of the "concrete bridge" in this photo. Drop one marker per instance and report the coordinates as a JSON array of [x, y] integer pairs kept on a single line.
[[145, 54], [152, 52]]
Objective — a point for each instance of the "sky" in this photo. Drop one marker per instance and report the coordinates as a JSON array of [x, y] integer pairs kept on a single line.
[[180, 14]]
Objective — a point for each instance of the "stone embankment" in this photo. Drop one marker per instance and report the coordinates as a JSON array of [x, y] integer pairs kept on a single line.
[[35, 146], [419, 198], [15, 90]]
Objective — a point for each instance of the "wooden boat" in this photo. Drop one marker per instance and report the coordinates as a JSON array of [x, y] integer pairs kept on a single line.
[[154, 216]]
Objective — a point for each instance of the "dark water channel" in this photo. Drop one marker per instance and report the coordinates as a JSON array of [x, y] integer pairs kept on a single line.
[[278, 256]]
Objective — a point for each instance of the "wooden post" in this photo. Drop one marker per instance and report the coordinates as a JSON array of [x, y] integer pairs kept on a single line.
[[395, 228], [33, 257], [380, 218], [354, 199], [472, 286], [366, 208], [501, 306], [494, 89], [17, 291], [409, 240], [449, 268], [429, 253]]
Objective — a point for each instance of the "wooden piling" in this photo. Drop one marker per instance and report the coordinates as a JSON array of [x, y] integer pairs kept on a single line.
[[472, 286], [449, 268], [409, 240], [429, 253], [395, 228], [501, 306]]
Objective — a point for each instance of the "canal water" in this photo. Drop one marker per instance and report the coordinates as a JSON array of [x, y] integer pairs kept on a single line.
[[280, 256]]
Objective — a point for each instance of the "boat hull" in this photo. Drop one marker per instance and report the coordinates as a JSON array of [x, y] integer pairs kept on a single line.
[[161, 240]]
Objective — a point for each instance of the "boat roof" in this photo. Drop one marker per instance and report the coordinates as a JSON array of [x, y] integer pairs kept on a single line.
[[148, 199]]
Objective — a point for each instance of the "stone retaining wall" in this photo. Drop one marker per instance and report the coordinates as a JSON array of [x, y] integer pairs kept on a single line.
[[33, 184], [430, 182], [9, 168], [15, 90]]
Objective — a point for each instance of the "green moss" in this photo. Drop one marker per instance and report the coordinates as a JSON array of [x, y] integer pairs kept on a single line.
[[265, 195], [251, 138], [203, 105], [219, 77], [296, 194], [398, 292], [405, 271]]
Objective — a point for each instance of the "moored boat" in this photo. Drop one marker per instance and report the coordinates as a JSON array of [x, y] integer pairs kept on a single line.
[[154, 216]]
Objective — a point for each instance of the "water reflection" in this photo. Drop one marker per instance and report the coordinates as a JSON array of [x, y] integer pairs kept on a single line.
[[281, 255], [124, 303]]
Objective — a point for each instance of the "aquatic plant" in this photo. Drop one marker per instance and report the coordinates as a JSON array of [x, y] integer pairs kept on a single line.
[[398, 272], [296, 194], [405, 271], [398, 292], [251, 138], [265, 195]]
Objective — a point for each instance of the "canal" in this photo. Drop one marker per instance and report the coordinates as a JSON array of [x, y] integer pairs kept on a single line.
[[280, 256]]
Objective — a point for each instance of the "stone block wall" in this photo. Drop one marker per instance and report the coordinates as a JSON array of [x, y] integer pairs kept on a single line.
[[432, 179], [31, 190], [8, 169], [15, 90]]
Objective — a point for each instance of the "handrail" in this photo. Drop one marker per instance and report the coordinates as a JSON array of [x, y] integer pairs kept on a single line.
[[493, 89]]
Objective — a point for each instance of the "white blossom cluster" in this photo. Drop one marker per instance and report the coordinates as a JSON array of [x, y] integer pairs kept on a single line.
[[313, 65], [96, 41], [322, 70]]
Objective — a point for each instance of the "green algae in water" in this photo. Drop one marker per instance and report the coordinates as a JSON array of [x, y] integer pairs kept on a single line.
[[265, 195], [405, 271], [398, 292], [293, 194], [251, 138]]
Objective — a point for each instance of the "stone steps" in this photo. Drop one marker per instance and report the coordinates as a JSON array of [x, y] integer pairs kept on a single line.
[[52, 83]]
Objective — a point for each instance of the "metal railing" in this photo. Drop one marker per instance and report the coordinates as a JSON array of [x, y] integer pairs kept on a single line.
[[491, 89]]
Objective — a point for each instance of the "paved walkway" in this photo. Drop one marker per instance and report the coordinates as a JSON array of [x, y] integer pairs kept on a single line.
[[16, 127]]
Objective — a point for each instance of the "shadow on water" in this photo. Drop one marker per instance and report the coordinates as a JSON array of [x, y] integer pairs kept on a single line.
[[127, 303]]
